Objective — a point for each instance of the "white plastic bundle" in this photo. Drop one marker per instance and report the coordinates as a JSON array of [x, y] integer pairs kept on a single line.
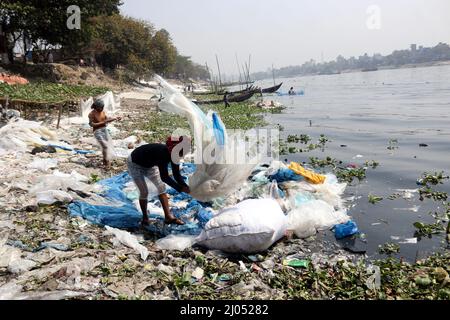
[[312, 216], [221, 174], [18, 135]]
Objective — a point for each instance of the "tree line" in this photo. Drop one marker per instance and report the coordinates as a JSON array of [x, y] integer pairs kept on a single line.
[[398, 58], [105, 37]]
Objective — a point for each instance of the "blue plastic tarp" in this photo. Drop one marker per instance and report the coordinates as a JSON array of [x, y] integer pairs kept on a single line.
[[127, 216]]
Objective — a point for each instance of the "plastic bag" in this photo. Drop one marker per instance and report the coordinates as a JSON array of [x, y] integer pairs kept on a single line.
[[249, 227], [43, 164], [178, 242], [51, 196], [222, 175], [308, 218], [345, 230], [129, 240]]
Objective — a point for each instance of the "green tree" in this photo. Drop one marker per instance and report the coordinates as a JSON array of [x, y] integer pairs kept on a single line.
[[44, 22], [163, 53]]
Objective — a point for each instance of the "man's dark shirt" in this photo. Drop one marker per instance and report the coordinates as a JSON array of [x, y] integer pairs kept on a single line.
[[155, 154]]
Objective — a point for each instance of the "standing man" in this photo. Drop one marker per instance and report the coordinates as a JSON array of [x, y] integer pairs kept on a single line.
[[98, 121], [151, 161], [225, 100]]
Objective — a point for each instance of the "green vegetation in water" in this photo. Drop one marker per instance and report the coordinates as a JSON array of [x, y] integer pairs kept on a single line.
[[389, 248], [374, 199], [393, 144], [304, 139], [432, 179], [349, 174], [372, 164], [327, 162], [46, 92], [427, 230], [427, 180]]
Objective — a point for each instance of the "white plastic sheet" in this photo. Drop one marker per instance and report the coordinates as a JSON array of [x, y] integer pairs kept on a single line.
[[216, 178], [129, 240], [43, 164], [178, 242]]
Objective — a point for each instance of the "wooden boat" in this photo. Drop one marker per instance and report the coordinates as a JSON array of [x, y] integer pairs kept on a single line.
[[369, 69], [231, 98], [221, 93], [272, 89]]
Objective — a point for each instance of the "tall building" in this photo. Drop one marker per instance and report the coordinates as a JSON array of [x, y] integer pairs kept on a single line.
[[414, 47]]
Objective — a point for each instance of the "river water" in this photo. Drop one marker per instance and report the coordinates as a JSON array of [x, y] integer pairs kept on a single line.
[[364, 111]]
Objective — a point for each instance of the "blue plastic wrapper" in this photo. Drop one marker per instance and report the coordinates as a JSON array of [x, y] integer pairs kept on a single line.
[[284, 175], [342, 231]]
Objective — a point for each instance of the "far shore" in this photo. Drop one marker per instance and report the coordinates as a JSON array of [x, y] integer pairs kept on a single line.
[[406, 66]]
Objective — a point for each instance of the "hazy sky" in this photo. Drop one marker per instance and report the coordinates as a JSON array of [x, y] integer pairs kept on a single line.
[[290, 32]]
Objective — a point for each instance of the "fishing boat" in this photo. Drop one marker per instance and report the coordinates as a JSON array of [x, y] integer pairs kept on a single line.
[[231, 98], [369, 69], [272, 89], [299, 93]]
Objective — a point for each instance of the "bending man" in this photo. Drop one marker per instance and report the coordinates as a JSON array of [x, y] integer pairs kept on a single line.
[[151, 161]]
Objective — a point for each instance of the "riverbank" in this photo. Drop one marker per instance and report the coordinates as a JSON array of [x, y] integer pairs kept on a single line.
[[83, 262], [407, 66]]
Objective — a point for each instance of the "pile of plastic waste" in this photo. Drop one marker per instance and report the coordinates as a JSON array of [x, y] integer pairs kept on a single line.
[[311, 203]]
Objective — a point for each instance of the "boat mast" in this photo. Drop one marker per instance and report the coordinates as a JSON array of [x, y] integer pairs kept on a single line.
[[273, 75], [239, 70], [218, 68]]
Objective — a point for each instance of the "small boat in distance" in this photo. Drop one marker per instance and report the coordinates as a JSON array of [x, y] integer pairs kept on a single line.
[[272, 89], [369, 69], [231, 98]]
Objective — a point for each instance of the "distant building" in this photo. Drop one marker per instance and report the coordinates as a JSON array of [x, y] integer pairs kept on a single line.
[[414, 47]]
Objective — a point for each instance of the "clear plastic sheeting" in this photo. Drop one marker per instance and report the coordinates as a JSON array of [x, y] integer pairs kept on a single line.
[[177, 242], [214, 177], [315, 215], [52, 196], [18, 135], [43, 164], [127, 239]]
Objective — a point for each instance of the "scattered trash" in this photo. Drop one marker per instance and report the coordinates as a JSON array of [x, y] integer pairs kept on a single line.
[[198, 273], [345, 230], [225, 277], [127, 239], [409, 241], [178, 242], [296, 263], [165, 269], [242, 267]]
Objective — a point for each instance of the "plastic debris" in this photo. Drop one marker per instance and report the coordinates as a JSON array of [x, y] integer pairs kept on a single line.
[[296, 263], [176, 242], [345, 230], [198, 273], [127, 239]]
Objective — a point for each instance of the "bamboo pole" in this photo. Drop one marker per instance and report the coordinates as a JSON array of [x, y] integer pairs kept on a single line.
[[240, 77], [273, 75], [218, 68]]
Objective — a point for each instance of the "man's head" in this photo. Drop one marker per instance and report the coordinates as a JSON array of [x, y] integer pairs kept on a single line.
[[172, 142], [98, 105]]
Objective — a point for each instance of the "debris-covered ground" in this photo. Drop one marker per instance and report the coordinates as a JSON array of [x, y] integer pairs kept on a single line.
[[47, 254]]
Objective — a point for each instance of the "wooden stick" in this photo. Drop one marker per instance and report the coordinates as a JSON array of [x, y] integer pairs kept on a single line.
[[59, 116]]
